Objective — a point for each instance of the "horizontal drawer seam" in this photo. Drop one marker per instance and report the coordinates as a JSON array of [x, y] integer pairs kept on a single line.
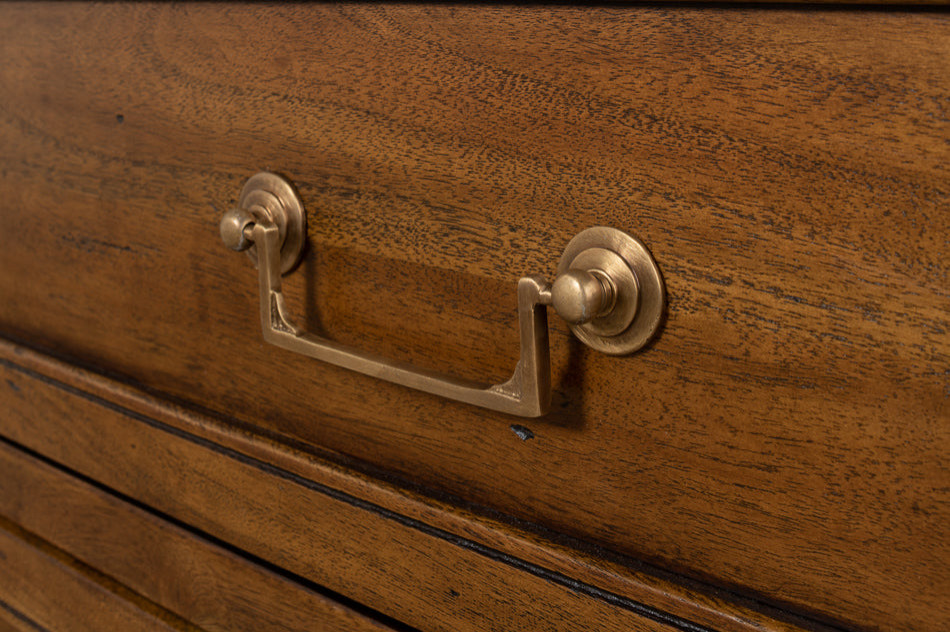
[[552, 576], [14, 352]]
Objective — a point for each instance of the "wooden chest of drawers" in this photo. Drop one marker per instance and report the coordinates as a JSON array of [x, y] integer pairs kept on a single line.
[[776, 458]]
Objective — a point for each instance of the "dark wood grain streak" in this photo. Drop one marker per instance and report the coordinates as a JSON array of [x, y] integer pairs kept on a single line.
[[12, 620], [698, 603], [50, 591], [200, 582], [409, 570], [786, 435]]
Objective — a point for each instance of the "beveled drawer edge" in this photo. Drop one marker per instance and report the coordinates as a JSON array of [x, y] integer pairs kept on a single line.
[[685, 606], [71, 591], [12, 619], [346, 545], [115, 536]]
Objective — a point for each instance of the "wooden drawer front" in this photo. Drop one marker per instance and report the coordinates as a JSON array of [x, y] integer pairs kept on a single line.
[[41, 588], [786, 435], [199, 581], [401, 555]]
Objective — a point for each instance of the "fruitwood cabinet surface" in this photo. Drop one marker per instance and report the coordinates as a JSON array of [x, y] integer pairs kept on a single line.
[[132, 485], [785, 436]]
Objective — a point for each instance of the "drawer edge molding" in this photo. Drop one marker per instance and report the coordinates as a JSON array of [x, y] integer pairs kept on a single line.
[[648, 594], [202, 581], [72, 596]]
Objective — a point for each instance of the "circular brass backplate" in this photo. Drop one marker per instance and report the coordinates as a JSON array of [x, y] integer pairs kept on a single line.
[[268, 195], [640, 294]]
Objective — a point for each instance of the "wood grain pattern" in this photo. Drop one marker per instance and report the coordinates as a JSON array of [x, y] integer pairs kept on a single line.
[[49, 591], [696, 603], [196, 580], [14, 621], [408, 569], [785, 436]]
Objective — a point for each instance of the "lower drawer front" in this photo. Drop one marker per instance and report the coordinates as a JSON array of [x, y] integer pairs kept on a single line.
[[42, 588], [176, 580], [211, 509], [785, 435]]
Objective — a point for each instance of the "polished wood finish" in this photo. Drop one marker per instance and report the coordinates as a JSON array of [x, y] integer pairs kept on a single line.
[[44, 589], [12, 620], [786, 435], [417, 562], [199, 581], [721, 611]]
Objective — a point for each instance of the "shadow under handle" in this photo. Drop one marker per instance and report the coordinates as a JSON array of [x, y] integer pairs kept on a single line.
[[526, 394], [608, 288]]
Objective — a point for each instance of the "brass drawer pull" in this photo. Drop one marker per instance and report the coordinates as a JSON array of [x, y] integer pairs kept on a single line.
[[608, 289]]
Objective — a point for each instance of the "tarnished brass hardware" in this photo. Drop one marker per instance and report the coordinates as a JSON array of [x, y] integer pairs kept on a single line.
[[270, 198], [579, 296], [622, 261], [236, 227], [608, 288]]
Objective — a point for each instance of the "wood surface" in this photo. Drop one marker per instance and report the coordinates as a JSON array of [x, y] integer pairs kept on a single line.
[[199, 581], [45, 589], [14, 621], [787, 434], [401, 563], [10, 622], [693, 602]]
